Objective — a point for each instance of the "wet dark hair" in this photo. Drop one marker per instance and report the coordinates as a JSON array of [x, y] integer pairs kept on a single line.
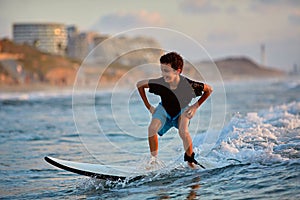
[[174, 59]]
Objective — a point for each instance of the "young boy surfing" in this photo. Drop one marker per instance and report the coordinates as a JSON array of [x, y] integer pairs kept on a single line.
[[176, 93]]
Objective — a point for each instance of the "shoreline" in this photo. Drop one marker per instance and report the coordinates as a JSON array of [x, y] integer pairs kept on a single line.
[[27, 88], [45, 87]]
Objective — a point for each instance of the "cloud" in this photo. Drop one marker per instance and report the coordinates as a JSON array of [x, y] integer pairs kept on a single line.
[[289, 9], [121, 21], [294, 17], [222, 37], [262, 6], [198, 6]]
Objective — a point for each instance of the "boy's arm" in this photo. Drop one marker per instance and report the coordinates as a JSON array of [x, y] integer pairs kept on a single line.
[[207, 90], [142, 85]]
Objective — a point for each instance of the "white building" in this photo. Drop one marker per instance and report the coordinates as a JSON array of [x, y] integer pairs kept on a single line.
[[79, 43], [47, 37]]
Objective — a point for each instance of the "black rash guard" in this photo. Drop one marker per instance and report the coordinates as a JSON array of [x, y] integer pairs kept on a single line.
[[175, 100]]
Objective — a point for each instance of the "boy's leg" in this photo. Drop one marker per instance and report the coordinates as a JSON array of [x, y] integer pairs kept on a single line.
[[153, 137], [184, 134]]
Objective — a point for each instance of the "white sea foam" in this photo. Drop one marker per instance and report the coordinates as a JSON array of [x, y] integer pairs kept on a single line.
[[269, 136]]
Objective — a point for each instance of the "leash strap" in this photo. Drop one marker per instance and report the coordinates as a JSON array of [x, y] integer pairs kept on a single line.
[[191, 159]]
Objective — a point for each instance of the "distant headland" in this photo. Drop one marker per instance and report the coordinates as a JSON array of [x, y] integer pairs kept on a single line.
[[23, 65]]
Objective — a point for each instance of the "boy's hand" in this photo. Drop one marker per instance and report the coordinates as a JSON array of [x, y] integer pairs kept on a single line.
[[152, 110], [190, 112]]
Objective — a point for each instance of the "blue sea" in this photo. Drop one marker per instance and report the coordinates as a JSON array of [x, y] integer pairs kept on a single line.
[[247, 135]]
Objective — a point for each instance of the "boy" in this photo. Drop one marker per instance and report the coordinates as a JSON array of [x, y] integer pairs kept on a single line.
[[176, 92]]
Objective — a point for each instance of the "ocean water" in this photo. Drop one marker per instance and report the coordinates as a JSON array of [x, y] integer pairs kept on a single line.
[[254, 153]]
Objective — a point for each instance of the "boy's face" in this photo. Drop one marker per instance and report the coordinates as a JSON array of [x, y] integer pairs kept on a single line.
[[169, 73]]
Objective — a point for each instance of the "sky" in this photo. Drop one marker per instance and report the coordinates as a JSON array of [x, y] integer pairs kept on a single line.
[[223, 28]]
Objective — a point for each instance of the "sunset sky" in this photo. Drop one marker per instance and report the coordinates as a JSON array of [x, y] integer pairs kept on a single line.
[[223, 27]]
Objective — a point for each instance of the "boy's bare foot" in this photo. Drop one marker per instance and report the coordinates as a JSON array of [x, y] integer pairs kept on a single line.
[[154, 164]]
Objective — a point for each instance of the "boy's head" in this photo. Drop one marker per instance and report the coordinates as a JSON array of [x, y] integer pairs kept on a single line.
[[174, 59]]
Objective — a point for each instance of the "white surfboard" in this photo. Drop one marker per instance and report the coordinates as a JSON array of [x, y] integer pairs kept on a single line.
[[106, 172], [100, 171]]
